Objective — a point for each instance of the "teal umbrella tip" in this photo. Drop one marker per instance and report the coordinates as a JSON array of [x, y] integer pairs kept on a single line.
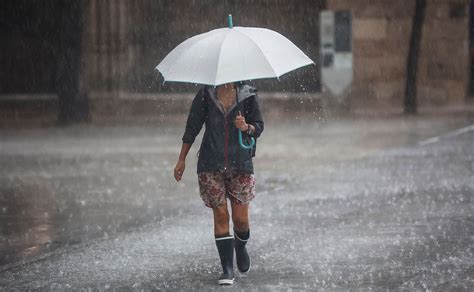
[[229, 20]]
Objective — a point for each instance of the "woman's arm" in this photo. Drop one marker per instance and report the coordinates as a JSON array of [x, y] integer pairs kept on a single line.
[[181, 164], [196, 118], [254, 123], [255, 119]]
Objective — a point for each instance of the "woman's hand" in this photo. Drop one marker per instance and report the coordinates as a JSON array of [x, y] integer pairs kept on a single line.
[[240, 123], [179, 169]]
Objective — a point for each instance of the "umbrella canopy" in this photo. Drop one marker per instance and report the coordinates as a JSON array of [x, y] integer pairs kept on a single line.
[[232, 54]]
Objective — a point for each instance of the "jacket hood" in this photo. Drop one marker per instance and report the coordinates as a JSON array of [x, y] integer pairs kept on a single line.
[[243, 92]]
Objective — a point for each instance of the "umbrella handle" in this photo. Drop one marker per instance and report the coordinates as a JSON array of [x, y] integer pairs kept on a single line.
[[229, 21], [250, 146]]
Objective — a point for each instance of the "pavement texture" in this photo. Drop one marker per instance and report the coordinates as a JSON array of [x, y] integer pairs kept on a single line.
[[379, 203]]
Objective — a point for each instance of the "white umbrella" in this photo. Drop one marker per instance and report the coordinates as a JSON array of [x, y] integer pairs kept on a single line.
[[232, 54]]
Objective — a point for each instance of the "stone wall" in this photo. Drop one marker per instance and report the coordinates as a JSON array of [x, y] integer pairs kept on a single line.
[[107, 52], [444, 64], [381, 36]]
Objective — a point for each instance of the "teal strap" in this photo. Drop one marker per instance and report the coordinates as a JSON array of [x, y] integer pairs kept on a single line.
[[241, 142]]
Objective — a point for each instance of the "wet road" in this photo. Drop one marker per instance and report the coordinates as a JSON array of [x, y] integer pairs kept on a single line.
[[351, 203]]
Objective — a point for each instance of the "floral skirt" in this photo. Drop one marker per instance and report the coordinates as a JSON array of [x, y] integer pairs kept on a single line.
[[216, 186]]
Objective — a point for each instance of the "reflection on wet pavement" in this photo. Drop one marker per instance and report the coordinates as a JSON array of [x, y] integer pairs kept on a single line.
[[64, 186], [61, 187]]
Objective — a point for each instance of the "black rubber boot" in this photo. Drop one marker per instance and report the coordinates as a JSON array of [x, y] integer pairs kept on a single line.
[[241, 254], [225, 246]]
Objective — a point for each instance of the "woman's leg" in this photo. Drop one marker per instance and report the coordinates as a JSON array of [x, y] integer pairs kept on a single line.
[[221, 221], [240, 217], [224, 243], [212, 191], [241, 190]]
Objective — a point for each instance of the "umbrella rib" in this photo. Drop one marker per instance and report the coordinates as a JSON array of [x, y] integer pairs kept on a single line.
[[263, 54], [194, 40], [253, 42], [218, 59], [189, 51]]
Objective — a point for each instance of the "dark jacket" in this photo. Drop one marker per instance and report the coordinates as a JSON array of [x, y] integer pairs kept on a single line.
[[220, 149]]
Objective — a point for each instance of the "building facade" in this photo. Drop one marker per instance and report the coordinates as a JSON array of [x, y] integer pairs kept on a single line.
[[381, 36], [118, 43]]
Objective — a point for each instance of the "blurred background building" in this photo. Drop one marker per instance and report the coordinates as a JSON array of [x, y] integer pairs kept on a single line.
[[82, 60]]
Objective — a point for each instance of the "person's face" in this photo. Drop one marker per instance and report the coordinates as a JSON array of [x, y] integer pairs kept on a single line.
[[225, 87]]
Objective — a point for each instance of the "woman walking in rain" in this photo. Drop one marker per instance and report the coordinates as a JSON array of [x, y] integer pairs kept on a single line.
[[225, 169]]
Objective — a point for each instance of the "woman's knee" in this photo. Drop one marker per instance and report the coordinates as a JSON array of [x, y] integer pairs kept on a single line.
[[241, 222], [221, 216]]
